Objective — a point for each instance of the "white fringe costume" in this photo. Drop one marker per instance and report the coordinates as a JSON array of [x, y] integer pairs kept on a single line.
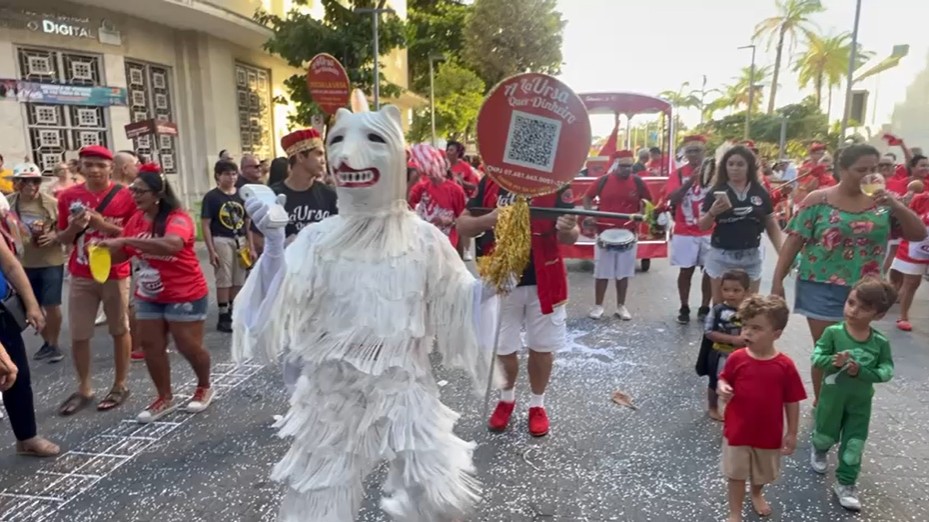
[[359, 300]]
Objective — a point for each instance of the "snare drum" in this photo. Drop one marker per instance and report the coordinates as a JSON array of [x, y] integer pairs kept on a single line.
[[616, 240]]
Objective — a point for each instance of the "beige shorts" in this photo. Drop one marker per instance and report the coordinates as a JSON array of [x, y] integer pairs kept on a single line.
[[762, 466], [230, 272], [84, 301]]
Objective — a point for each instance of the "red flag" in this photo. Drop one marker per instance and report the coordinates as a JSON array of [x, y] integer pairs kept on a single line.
[[609, 148]]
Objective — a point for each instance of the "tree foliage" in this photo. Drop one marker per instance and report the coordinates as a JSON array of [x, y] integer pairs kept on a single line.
[[434, 27], [342, 33], [792, 20], [805, 121], [459, 94], [504, 38], [825, 62]]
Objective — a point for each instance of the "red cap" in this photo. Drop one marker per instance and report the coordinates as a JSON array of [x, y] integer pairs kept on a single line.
[[95, 151], [695, 138], [150, 167], [817, 147], [621, 154], [301, 141]]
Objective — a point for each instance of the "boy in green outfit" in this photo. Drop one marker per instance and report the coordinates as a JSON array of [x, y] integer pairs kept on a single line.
[[854, 356]]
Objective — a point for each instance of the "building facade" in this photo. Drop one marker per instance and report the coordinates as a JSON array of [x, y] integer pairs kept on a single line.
[[196, 63]]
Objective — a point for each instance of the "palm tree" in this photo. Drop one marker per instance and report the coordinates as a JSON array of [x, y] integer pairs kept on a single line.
[[825, 62], [736, 95], [793, 19]]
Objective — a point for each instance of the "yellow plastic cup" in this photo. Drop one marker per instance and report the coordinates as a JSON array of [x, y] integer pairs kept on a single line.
[[100, 262]]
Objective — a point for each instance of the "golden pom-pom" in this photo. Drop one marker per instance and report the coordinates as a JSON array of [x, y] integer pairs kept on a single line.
[[505, 265]]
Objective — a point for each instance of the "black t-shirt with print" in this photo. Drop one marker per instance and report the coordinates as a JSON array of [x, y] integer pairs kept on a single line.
[[307, 206], [226, 213], [740, 227], [498, 196]]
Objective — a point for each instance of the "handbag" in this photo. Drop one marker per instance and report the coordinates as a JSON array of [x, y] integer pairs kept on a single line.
[[13, 309]]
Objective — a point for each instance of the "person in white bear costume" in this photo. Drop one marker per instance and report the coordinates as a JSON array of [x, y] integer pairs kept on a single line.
[[359, 300]]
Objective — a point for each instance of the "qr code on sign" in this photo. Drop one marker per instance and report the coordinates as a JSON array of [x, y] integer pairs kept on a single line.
[[532, 141]]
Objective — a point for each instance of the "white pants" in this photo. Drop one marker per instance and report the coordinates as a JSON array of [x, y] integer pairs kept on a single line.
[[689, 251], [521, 309], [614, 264]]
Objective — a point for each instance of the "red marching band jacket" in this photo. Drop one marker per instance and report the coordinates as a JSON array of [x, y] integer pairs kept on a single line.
[[550, 272]]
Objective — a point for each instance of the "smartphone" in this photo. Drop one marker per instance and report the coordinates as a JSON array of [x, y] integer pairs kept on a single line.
[[722, 195]]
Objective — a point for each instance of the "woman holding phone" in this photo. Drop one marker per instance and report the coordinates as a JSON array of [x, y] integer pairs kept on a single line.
[[841, 234], [741, 210], [15, 380], [171, 292]]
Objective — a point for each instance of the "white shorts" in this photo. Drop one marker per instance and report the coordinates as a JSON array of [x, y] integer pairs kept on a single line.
[[521, 309], [689, 251], [614, 264], [909, 268]]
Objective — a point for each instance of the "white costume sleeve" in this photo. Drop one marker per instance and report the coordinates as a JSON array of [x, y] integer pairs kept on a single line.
[[454, 298]]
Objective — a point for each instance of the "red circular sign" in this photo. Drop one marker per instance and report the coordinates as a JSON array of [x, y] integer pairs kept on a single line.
[[533, 133], [328, 83]]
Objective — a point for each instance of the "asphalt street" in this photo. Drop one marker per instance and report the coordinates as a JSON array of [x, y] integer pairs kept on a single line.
[[600, 462]]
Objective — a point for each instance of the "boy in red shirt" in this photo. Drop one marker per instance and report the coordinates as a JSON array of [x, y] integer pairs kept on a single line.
[[760, 385], [438, 199]]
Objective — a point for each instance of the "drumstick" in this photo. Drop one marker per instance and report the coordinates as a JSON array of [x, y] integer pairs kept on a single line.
[[554, 212]]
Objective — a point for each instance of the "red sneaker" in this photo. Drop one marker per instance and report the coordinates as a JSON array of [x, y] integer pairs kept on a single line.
[[538, 422], [501, 416]]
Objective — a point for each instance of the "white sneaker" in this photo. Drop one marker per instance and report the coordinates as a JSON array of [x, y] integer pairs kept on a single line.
[[156, 410], [596, 312], [201, 400], [848, 496], [623, 313], [818, 460]]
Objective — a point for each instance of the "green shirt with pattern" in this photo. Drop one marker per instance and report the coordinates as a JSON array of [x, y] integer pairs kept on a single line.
[[872, 355], [840, 247]]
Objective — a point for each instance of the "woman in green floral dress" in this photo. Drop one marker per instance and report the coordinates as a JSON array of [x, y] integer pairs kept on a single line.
[[841, 236]]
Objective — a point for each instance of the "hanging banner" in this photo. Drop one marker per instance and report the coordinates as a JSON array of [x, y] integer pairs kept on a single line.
[[328, 83], [146, 127], [57, 94], [533, 133]]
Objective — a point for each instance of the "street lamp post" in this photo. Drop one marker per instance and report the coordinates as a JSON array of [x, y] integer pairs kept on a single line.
[[432, 59], [852, 60], [751, 92], [375, 17]]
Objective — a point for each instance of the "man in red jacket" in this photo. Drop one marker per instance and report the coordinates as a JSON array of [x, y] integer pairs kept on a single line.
[[537, 303]]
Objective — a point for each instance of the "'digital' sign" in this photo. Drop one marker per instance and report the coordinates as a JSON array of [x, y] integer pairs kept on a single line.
[[533, 133], [328, 83]]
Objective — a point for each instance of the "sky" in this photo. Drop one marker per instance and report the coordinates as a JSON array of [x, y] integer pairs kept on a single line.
[[649, 46]]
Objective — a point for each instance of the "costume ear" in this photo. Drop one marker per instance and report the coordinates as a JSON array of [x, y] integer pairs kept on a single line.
[[394, 113], [341, 112]]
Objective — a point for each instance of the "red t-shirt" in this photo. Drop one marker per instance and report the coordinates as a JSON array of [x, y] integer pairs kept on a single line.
[[689, 210], [917, 252], [117, 212], [760, 389], [623, 195], [466, 171], [897, 184], [167, 279], [444, 200], [654, 167]]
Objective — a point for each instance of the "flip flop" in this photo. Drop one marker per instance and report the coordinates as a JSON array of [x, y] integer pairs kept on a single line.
[[904, 326], [73, 404], [113, 399]]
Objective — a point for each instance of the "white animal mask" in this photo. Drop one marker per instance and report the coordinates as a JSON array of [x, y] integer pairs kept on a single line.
[[368, 160]]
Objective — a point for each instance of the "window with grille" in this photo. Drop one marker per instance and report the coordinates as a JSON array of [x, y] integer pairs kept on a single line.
[[150, 97], [55, 129], [253, 95]]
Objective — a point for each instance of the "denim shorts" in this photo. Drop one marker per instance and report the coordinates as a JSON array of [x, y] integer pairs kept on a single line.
[[718, 261], [820, 301], [188, 312], [46, 284]]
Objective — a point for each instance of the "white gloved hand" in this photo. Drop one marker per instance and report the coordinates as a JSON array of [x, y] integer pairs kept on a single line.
[[274, 234]]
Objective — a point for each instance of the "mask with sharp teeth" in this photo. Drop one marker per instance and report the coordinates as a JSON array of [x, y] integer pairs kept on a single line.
[[368, 160]]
